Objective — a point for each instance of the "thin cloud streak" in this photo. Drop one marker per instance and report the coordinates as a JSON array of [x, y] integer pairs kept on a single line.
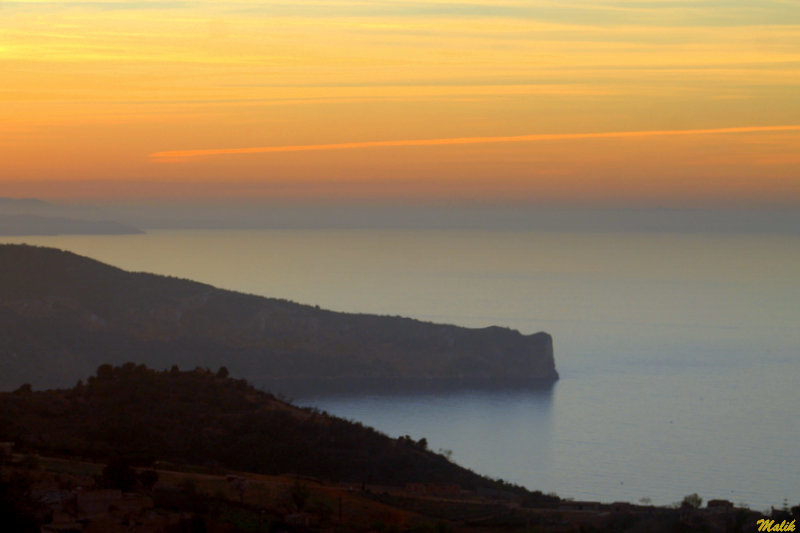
[[179, 155]]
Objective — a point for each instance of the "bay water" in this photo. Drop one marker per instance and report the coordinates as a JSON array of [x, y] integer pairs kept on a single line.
[[679, 353]]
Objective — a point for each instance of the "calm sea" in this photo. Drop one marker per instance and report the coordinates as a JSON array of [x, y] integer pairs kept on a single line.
[[679, 354]]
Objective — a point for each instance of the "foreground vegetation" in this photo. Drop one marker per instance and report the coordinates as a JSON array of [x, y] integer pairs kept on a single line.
[[134, 449], [54, 494], [206, 418]]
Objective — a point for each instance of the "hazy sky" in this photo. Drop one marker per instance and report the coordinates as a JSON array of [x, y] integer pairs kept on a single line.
[[652, 102]]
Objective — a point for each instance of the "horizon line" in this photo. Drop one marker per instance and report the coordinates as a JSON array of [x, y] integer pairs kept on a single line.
[[177, 155]]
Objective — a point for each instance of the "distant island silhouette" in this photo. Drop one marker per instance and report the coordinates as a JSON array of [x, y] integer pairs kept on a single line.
[[31, 216], [24, 224], [62, 315]]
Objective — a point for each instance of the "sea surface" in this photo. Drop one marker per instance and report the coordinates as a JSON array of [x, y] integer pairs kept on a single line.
[[679, 353]]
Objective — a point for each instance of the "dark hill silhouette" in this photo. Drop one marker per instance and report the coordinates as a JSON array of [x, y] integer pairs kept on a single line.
[[204, 418], [62, 315], [23, 203]]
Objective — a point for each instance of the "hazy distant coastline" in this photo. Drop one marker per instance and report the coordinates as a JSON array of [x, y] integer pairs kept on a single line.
[[133, 217], [472, 217], [18, 225]]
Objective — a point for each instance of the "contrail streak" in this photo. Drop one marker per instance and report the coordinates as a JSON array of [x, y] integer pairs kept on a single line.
[[178, 155]]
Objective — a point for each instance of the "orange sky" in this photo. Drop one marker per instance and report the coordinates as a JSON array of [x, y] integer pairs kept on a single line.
[[595, 101]]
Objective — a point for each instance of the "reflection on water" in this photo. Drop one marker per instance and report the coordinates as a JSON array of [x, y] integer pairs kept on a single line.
[[401, 389], [723, 432], [487, 429]]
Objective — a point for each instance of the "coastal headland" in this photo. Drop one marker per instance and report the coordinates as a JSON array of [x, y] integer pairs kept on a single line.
[[63, 315]]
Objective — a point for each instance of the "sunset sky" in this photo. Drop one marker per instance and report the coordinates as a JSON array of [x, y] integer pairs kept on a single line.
[[587, 102]]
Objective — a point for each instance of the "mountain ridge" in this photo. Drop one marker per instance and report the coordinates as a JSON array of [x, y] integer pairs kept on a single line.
[[68, 313]]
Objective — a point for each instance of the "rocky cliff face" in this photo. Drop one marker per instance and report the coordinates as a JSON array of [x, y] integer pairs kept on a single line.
[[61, 315]]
